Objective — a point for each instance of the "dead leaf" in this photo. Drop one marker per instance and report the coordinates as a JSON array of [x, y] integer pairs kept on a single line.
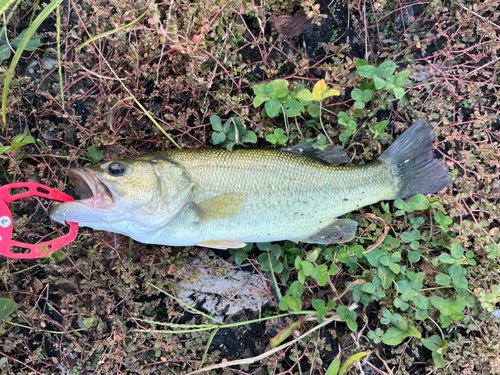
[[225, 294], [290, 26]]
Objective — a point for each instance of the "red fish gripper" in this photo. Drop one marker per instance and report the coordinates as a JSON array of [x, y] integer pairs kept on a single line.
[[31, 189]]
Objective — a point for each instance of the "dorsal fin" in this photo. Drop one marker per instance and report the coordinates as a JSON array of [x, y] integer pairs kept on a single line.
[[330, 155]]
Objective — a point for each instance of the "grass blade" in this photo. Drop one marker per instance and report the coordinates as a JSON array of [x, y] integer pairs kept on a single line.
[[58, 42], [205, 353], [4, 4], [24, 42], [106, 33]]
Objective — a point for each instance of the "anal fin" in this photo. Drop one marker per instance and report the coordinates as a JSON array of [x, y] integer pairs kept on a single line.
[[338, 231], [222, 244]]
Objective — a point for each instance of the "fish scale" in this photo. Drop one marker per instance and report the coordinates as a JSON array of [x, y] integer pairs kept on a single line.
[[288, 196], [223, 199]]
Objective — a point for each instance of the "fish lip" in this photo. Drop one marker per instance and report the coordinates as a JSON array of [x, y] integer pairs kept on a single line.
[[92, 190]]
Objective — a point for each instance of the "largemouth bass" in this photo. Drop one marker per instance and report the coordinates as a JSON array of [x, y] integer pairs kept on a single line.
[[222, 199]]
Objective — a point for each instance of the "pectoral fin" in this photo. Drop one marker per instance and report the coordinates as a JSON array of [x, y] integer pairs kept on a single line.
[[339, 231], [222, 244], [220, 207], [330, 155]]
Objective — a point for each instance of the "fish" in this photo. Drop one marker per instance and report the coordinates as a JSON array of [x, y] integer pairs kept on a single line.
[[225, 199]]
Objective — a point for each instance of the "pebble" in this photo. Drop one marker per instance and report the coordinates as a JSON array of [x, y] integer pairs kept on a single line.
[[49, 63]]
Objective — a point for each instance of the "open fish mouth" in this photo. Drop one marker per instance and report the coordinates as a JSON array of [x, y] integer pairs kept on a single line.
[[93, 192]]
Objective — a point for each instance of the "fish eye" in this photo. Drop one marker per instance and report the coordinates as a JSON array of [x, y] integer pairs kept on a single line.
[[116, 169]]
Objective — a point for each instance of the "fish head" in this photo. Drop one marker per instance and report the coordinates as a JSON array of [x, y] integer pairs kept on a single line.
[[124, 196]]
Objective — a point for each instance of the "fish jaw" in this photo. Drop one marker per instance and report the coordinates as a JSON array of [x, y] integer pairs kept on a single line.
[[97, 203]]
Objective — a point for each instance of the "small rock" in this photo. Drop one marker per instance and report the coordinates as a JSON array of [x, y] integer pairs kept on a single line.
[[31, 67], [49, 63], [407, 14], [496, 314]]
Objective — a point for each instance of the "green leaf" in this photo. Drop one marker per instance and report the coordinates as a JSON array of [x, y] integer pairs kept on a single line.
[[228, 144], [285, 302], [413, 332], [421, 314], [401, 78], [88, 322], [399, 322], [367, 95], [360, 63], [218, 137], [379, 82], [443, 280], [216, 123], [419, 201], [248, 137], [277, 89], [7, 307], [343, 312], [420, 301], [433, 342], [368, 288], [349, 362], [94, 154], [457, 251], [351, 324], [333, 369], [4, 52], [293, 108], [386, 276], [240, 257], [406, 237], [359, 104], [272, 138], [306, 95], [394, 336], [460, 282], [438, 359], [413, 256], [313, 109], [307, 267], [33, 43], [296, 90], [296, 289], [367, 71], [357, 94], [446, 258], [273, 107], [386, 69], [259, 99], [398, 92], [260, 88], [318, 304], [312, 255], [334, 269]]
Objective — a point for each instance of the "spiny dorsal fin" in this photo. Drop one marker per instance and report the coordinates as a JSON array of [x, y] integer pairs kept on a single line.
[[222, 244], [339, 231], [331, 154], [220, 207]]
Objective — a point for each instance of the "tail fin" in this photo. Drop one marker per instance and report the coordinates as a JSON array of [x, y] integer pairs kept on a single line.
[[411, 160]]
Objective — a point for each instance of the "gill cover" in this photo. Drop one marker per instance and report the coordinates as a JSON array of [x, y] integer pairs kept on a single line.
[[133, 196]]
